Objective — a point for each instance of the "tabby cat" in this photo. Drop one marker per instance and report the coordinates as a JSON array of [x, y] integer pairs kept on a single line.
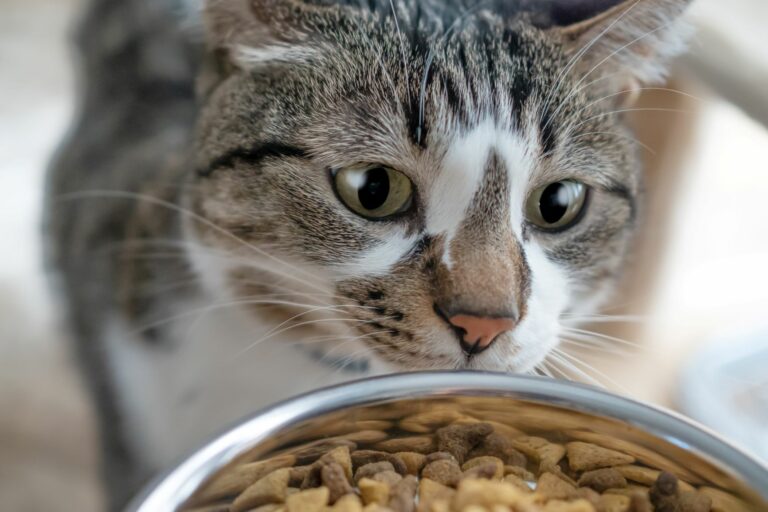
[[262, 197]]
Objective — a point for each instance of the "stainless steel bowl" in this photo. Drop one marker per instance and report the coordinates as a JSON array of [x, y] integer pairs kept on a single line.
[[567, 410]]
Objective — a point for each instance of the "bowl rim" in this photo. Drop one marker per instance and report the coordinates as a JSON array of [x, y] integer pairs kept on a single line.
[[174, 487]]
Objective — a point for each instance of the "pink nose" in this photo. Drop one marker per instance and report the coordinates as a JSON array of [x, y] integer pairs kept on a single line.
[[480, 332]]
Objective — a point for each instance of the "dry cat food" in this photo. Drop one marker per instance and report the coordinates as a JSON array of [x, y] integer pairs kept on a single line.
[[439, 462]]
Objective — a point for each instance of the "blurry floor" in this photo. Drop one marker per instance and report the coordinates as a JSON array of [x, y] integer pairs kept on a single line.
[[46, 451], [713, 280]]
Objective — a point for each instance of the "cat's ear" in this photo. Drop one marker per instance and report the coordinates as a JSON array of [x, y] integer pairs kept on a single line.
[[630, 39], [243, 34]]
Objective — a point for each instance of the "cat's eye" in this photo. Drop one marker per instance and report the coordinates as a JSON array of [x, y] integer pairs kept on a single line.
[[558, 205], [374, 192]]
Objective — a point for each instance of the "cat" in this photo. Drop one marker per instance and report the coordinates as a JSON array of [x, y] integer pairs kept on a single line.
[[262, 197]]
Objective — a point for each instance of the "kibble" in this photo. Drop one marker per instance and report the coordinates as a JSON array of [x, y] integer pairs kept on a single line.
[[452, 463]]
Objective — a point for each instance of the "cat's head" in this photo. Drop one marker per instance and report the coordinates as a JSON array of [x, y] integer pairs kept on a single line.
[[456, 174]]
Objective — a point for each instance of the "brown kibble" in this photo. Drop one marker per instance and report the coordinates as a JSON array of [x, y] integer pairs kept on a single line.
[[372, 491], [554, 487], [237, 479], [363, 457], [517, 482], [615, 503], [693, 501], [375, 507], [547, 454], [365, 436], [488, 493], [311, 500], [439, 506], [431, 492], [427, 422], [348, 503], [418, 444], [446, 472], [587, 456], [590, 495], [298, 475], [401, 497], [724, 502], [432, 457], [269, 489], [496, 465], [629, 490], [371, 469], [459, 440], [339, 455], [487, 471], [335, 479], [568, 506], [520, 472], [647, 476], [414, 462], [273, 507], [499, 446], [314, 451], [664, 493], [640, 502], [602, 479], [647, 456], [342, 457], [498, 427], [388, 477]]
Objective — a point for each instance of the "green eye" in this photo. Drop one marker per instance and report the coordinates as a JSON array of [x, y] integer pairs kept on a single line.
[[373, 192], [558, 205]]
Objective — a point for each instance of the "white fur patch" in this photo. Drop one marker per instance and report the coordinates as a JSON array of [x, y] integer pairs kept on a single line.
[[380, 259], [252, 57], [217, 372], [451, 195]]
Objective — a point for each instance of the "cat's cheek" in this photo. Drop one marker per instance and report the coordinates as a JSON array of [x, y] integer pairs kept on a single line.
[[537, 334]]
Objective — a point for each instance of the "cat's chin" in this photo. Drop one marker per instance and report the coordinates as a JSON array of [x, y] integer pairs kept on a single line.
[[524, 362]]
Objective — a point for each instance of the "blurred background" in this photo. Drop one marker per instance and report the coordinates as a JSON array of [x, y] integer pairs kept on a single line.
[[696, 335]]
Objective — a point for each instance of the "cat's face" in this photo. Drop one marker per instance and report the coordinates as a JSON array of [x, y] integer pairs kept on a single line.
[[457, 189]]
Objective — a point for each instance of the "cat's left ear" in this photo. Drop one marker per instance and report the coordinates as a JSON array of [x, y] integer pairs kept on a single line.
[[246, 34], [633, 40]]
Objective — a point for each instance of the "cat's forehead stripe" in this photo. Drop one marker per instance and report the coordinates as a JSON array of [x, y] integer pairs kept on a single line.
[[455, 187]]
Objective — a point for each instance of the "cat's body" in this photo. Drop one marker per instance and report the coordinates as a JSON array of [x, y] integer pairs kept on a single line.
[[213, 259]]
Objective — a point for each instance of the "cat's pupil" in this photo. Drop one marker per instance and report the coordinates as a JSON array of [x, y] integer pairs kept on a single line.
[[554, 203], [375, 190]]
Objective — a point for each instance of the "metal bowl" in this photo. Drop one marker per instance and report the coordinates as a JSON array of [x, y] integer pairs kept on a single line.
[[568, 411]]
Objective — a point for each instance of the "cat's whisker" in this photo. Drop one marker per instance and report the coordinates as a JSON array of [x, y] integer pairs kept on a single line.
[[627, 110], [554, 371], [576, 332], [568, 367], [224, 305], [560, 80], [101, 194], [577, 320], [639, 89], [275, 333], [575, 89], [589, 367], [402, 47], [614, 134], [598, 349]]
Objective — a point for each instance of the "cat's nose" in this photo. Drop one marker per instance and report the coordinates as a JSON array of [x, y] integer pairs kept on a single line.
[[479, 332]]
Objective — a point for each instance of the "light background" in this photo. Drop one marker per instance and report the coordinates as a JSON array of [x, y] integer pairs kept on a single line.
[[714, 279]]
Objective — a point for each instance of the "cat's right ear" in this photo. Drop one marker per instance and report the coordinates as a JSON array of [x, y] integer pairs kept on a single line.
[[245, 34]]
